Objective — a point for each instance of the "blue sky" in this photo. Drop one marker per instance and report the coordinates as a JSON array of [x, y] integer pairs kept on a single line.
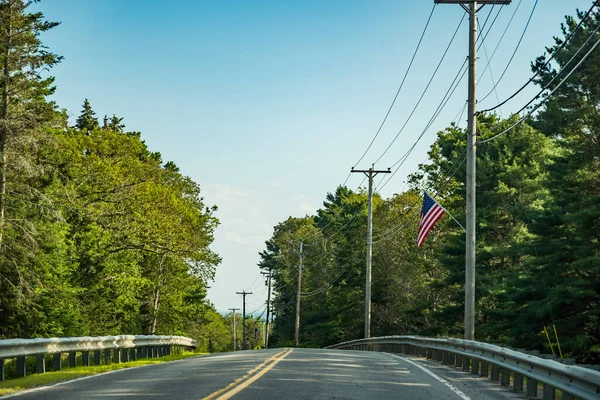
[[267, 104]]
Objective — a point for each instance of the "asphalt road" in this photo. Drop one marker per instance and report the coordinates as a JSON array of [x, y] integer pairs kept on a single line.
[[280, 374]]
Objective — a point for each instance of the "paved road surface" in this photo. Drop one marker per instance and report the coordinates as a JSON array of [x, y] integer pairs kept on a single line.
[[280, 374]]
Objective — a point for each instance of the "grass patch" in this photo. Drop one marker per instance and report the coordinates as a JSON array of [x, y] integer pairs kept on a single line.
[[36, 380]]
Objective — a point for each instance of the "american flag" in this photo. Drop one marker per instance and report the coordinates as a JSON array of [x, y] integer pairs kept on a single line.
[[430, 214]]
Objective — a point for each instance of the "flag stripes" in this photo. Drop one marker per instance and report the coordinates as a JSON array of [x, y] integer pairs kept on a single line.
[[430, 214]]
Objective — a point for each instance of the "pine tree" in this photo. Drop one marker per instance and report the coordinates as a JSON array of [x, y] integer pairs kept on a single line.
[[24, 113], [568, 255], [87, 120]]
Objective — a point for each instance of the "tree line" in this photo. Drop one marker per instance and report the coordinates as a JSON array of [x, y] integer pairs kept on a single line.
[[538, 232], [98, 234]]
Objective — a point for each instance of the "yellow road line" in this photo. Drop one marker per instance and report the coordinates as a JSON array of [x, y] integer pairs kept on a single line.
[[243, 385], [240, 381]]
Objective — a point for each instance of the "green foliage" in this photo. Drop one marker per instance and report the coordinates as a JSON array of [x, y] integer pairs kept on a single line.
[[538, 233], [97, 235]]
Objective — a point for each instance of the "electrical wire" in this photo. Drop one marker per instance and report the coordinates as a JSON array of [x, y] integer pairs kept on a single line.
[[543, 66], [424, 91], [502, 36], [547, 98], [514, 52], [449, 175], [399, 88], [447, 96]]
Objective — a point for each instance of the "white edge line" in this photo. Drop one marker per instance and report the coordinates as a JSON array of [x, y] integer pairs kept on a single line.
[[83, 378], [445, 382]]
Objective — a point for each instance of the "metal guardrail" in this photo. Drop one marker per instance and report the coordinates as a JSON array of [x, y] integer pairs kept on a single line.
[[124, 348], [498, 363]]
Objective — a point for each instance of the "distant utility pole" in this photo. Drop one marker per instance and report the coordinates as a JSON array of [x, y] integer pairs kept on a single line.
[[297, 335], [370, 173], [244, 294], [268, 276], [234, 329], [471, 159]]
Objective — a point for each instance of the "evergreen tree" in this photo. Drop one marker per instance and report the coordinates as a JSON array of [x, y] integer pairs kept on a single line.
[[568, 254], [25, 211], [87, 120]]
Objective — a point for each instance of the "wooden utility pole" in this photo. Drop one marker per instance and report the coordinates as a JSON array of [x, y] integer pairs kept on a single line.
[[297, 330], [244, 342], [268, 276], [370, 173], [470, 7], [233, 310]]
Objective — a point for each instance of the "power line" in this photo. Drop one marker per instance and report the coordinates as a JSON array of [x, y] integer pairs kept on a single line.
[[502, 36], [399, 88], [424, 91], [547, 98], [447, 96], [453, 86], [514, 52], [543, 66]]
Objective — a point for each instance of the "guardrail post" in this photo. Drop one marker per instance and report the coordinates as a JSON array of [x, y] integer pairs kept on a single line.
[[466, 363], [518, 383], [475, 367], [107, 356], [40, 364], [56, 364], [1, 369], [485, 369], [72, 359], [85, 358], [531, 387], [21, 367], [505, 380], [549, 392], [495, 372], [459, 361], [117, 356], [125, 355], [132, 354], [566, 396], [97, 357], [140, 353]]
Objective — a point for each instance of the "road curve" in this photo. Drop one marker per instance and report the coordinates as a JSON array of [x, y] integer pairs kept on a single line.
[[274, 374]]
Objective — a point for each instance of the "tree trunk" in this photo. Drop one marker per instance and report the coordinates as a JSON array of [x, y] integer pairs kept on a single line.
[[156, 296]]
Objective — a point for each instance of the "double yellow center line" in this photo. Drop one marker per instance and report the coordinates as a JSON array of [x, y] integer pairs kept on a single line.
[[250, 377]]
